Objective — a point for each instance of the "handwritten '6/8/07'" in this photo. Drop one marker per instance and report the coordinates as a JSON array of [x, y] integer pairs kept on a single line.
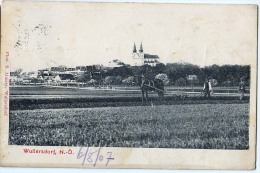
[[94, 157]]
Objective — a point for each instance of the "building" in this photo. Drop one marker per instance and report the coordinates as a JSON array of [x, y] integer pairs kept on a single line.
[[151, 60], [140, 58], [81, 68], [58, 69], [71, 69], [44, 72], [115, 63], [13, 77], [74, 73], [65, 76], [89, 68], [192, 77]]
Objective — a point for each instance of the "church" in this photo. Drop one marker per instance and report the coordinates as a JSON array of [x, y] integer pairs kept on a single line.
[[140, 58]]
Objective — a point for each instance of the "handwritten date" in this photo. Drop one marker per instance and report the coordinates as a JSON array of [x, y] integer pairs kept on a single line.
[[94, 156]]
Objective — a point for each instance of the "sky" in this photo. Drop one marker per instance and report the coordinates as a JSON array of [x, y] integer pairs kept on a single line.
[[44, 35]]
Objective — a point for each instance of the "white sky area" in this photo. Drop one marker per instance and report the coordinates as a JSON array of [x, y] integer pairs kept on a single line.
[[84, 34]]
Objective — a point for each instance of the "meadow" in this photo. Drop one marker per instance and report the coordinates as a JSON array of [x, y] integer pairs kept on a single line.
[[200, 126]]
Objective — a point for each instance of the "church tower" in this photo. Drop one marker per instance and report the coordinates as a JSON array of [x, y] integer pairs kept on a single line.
[[134, 49], [141, 53], [141, 48], [138, 57]]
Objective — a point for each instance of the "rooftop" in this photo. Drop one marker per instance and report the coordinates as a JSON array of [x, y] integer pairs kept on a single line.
[[148, 56]]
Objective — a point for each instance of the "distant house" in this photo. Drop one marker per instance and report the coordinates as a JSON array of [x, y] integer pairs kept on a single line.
[[71, 69], [13, 77], [98, 66], [81, 68], [192, 77], [89, 68], [75, 72], [64, 76], [59, 69], [44, 72], [115, 63]]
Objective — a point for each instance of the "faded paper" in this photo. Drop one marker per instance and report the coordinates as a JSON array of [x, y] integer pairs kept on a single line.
[[36, 35]]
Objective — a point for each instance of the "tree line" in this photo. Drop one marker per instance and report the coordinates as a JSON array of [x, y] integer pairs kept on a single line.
[[172, 74]]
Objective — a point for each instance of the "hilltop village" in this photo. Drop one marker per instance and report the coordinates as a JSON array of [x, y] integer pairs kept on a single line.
[[119, 73]]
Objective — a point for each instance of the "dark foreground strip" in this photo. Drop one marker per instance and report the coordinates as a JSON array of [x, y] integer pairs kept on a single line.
[[57, 103]]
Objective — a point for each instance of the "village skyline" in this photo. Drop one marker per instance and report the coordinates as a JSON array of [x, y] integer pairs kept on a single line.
[[112, 62]]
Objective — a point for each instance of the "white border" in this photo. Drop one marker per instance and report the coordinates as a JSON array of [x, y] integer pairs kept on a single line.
[[69, 170]]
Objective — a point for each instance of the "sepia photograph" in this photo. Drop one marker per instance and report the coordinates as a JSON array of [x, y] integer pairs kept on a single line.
[[146, 104], [130, 75]]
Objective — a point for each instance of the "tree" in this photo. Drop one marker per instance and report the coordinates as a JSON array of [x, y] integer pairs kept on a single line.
[[85, 77], [109, 80], [18, 72], [92, 82], [159, 68], [118, 80], [51, 73], [171, 72], [180, 82], [120, 71], [227, 83], [175, 71], [34, 80], [148, 71], [128, 81], [136, 70], [214, 82], [163, 77], [40, 79]]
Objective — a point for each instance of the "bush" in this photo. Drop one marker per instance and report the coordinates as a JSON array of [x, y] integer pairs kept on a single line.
[[180, 82], [128, 81]]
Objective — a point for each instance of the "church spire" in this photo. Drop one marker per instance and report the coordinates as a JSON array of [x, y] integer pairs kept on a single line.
[[141, 48], [134, 49]]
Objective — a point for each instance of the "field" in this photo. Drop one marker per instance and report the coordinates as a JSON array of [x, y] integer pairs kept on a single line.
[[42, 97], [203, 126], [50, 116]]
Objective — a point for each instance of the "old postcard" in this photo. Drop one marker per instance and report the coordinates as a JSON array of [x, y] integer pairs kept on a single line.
[[128, 85]]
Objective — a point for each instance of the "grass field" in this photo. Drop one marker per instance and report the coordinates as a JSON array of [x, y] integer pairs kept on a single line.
[[202, 126]]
